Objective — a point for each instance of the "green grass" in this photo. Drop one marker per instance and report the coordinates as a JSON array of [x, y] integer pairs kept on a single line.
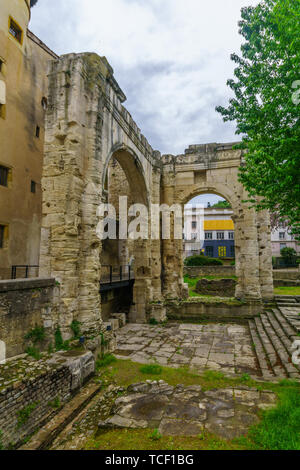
[[287, 290], [105, 361], [279, 427]]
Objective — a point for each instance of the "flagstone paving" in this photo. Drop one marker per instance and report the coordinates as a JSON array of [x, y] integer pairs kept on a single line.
[[223, 347], [188, 411]]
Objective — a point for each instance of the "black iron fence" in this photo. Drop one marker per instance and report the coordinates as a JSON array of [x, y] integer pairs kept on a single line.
[[24, 271], [111, 274]]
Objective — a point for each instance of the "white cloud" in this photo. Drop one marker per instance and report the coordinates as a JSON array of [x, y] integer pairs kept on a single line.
[[171, 57]]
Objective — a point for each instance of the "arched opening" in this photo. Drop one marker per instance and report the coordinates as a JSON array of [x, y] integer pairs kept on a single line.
[[124, 261], [209, 244]]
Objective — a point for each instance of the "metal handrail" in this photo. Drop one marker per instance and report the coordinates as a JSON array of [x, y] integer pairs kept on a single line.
[[26, 266]]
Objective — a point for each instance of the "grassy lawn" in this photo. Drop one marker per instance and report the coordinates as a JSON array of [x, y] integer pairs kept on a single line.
[[287, 290], [279, 428]]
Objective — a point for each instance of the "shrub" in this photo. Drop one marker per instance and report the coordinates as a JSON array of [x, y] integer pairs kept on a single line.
[[36, 335], [289, 254], [199, 260], [24, 414], [75, 327], [152, 369], [60, 344], [152, 321], [33, 352]]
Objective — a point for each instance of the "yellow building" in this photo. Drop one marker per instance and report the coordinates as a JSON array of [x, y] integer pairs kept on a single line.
[[23, 100]]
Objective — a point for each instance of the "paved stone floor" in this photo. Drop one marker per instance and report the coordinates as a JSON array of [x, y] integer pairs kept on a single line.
[[188, 411], [223, 347]]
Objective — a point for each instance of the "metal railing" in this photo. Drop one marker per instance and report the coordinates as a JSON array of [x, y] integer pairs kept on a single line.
[[23, 271], [111, 274]]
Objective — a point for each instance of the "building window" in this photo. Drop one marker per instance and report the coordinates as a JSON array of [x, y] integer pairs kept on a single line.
[[194, 236], [222, 251], [281, 235], [15, 30], [33, 187], [194, 225], [4, 176], [231, 235], [3, 235], [209, 251], [282, 245], [220, 236], [232, 251], [37, 132], [208, 235]]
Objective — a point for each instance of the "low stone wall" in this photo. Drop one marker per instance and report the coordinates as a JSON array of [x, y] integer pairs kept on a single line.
[[216, 287], [32, 392], [25, 303], [286, 283], [292, 274], [198, 271], [200, 310]]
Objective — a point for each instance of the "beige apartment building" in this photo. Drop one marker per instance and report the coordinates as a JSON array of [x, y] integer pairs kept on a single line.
[[23, 100]]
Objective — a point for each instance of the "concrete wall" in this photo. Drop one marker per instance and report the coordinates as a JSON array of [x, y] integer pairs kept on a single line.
[[24, 304], [23, 73]]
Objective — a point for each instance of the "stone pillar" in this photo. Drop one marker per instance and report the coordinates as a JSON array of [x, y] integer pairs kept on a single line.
[[172, 260], [71, 186], [247, 256], [265, 255]]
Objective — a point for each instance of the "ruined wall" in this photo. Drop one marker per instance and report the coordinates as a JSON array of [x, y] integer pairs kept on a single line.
[[198, 271], [24, 304], [32, 392], [214, 168]]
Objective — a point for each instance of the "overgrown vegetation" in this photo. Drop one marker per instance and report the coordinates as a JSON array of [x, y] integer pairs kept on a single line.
[[60, 344], [1, 443], [105, 361], [33, 352], [36, 335], [201, 260], [55, 404], [25, 413], [75, 327]]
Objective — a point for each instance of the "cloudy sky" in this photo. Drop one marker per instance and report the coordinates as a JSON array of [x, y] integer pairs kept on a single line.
[[170, 57]]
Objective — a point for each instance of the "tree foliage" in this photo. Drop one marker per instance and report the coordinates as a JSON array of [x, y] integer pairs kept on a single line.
[[266, 106]]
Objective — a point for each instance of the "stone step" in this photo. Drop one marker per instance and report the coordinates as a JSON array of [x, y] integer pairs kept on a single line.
[[279, 346], [262, 358], [289, 321], [271, 353]]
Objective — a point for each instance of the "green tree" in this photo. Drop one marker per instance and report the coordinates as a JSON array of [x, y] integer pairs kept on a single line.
[[266, 107], [222, 205]]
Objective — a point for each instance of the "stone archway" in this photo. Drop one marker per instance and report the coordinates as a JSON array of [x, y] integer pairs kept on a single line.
[[127, 164]]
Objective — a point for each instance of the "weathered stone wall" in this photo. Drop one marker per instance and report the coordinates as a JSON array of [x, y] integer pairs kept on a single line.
[[198, 271], [31, 392], [25, 303], [216, 287]]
